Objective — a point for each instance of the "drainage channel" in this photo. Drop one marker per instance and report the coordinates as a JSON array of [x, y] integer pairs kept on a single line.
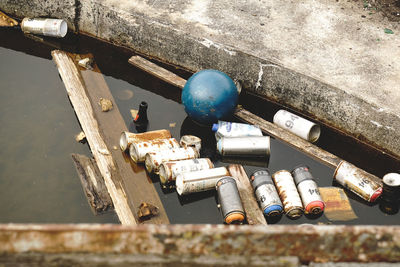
[[39, 179]]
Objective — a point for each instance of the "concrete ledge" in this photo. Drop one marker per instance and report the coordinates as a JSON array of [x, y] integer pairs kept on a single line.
[[321, 58]]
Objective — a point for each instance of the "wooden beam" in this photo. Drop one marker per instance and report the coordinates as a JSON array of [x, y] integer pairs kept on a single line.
[[254, 214], [127, 189], [157, 71], [92, 183]]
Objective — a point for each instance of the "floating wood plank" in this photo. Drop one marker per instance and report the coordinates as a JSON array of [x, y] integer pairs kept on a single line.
[[157, 71], [6, 21], [127, 189], [254, 214], [92, 183]]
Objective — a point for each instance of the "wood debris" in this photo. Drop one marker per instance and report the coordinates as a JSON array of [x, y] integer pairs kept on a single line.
[[106, 104], [81, 137], [146, 211]]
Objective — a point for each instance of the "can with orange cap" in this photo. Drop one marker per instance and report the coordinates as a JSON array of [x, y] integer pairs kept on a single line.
[[308, 190], [229, 201]]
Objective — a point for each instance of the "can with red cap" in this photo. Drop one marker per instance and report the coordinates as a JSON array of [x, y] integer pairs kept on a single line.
[[308, 190], [358, 181]]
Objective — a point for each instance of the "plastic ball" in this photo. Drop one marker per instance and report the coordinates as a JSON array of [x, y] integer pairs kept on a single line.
[[209, 95]]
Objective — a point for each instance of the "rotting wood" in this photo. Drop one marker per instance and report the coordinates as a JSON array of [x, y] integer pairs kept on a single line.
[[92, 183], [157, 71], [254, 214], [127, 189], [6, 21]]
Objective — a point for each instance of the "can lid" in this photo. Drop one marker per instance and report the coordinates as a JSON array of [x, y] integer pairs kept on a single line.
[[273, 210], [315, 207], [391, 179], [376, 194], [234, 218], [215, 127]]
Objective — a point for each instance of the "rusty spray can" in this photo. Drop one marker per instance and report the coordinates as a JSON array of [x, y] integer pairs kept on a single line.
[[171, 169], [244, 146], [44, 26], [153, 160], [391, 187], [198, 181], [191, 141], [308, 190], [229, 201], [301, 127], [358, 181], [266, 194], [138, 150], [288, 193], [127, 138]]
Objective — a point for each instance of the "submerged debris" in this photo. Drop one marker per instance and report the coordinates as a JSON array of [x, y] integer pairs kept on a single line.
[[146, 211], [81, 137], [134, 113], [6, 20], [105, 104], [86, 63], [125, 94]]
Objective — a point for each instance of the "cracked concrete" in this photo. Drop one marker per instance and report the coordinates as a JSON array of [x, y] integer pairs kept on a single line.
[[330, 60]]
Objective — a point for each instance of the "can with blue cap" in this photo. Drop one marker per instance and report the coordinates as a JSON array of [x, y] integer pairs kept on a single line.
[[266, 194]]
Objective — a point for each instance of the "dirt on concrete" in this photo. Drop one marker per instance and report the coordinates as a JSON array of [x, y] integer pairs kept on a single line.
[[389, 8]]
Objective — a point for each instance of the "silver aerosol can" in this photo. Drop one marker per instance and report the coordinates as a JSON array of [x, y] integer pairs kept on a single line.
[[358, 181], [299, 126], [153, 160], [198, 181], [288, 193], [171, 169], [308, 189], [251, 146], [138, 150], [234, 129], [46, 27], [266, 194], [229, 201], [127, 138]]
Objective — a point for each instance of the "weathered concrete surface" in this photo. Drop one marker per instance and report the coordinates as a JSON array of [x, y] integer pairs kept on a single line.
[[246, 244], [321, 58]]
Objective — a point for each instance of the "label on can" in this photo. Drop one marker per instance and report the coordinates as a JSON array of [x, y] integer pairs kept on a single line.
[[309, 193], [190, 166], [266, 196]]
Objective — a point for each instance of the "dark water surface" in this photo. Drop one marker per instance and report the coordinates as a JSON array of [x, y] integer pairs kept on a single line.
[[38, 181]]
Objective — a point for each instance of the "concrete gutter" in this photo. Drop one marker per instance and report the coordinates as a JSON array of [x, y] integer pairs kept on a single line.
[[330, 60]]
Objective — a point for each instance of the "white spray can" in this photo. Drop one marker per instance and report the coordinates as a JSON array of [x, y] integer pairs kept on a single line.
[[171, 169], [234, 129], [46, 27], [153, 160]]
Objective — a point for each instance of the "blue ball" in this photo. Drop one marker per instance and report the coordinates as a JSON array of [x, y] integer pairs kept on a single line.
[[209, 95]]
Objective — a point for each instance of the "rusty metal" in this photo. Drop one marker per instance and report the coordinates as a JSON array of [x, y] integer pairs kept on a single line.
[[138, 150], [153, 160], [191, 141], [171, 169], [127, 138], [7, 21], [309, 243]]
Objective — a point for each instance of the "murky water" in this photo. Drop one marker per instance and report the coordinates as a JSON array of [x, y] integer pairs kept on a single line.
[[38, 181]]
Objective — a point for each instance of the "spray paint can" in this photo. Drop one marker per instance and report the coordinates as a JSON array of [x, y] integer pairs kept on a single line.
[[46, 27], [138, 150], [308, 190], [229, 201], [234, 129], [288, 193], [191, 141], [251, 146], [127, 138], [141, 121], [153, 160], [391, 187], [198, 181], [301, 127], [266, 194], [171, 169], [358, 181]]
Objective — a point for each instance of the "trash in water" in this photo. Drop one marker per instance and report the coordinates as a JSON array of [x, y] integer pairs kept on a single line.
[[105, 104], [81, 137], [86, 63], [141, 121], [388, 31], [229, 201], [234, 129], [191, 141], [125, 94], [288, 194], [172, 124], [171, 169], [134, 113], [308, 190], [139, 149], [146, 211], [252, 146], [337, 205], [301, 127], [127, 138], [7, 21], [266, 194], [391, 187], [44, 26]]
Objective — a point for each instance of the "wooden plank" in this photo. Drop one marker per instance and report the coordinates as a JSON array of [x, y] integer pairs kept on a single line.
[[92, 183], [157, 71], [127, 189], [6, 21], [254, 214]]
